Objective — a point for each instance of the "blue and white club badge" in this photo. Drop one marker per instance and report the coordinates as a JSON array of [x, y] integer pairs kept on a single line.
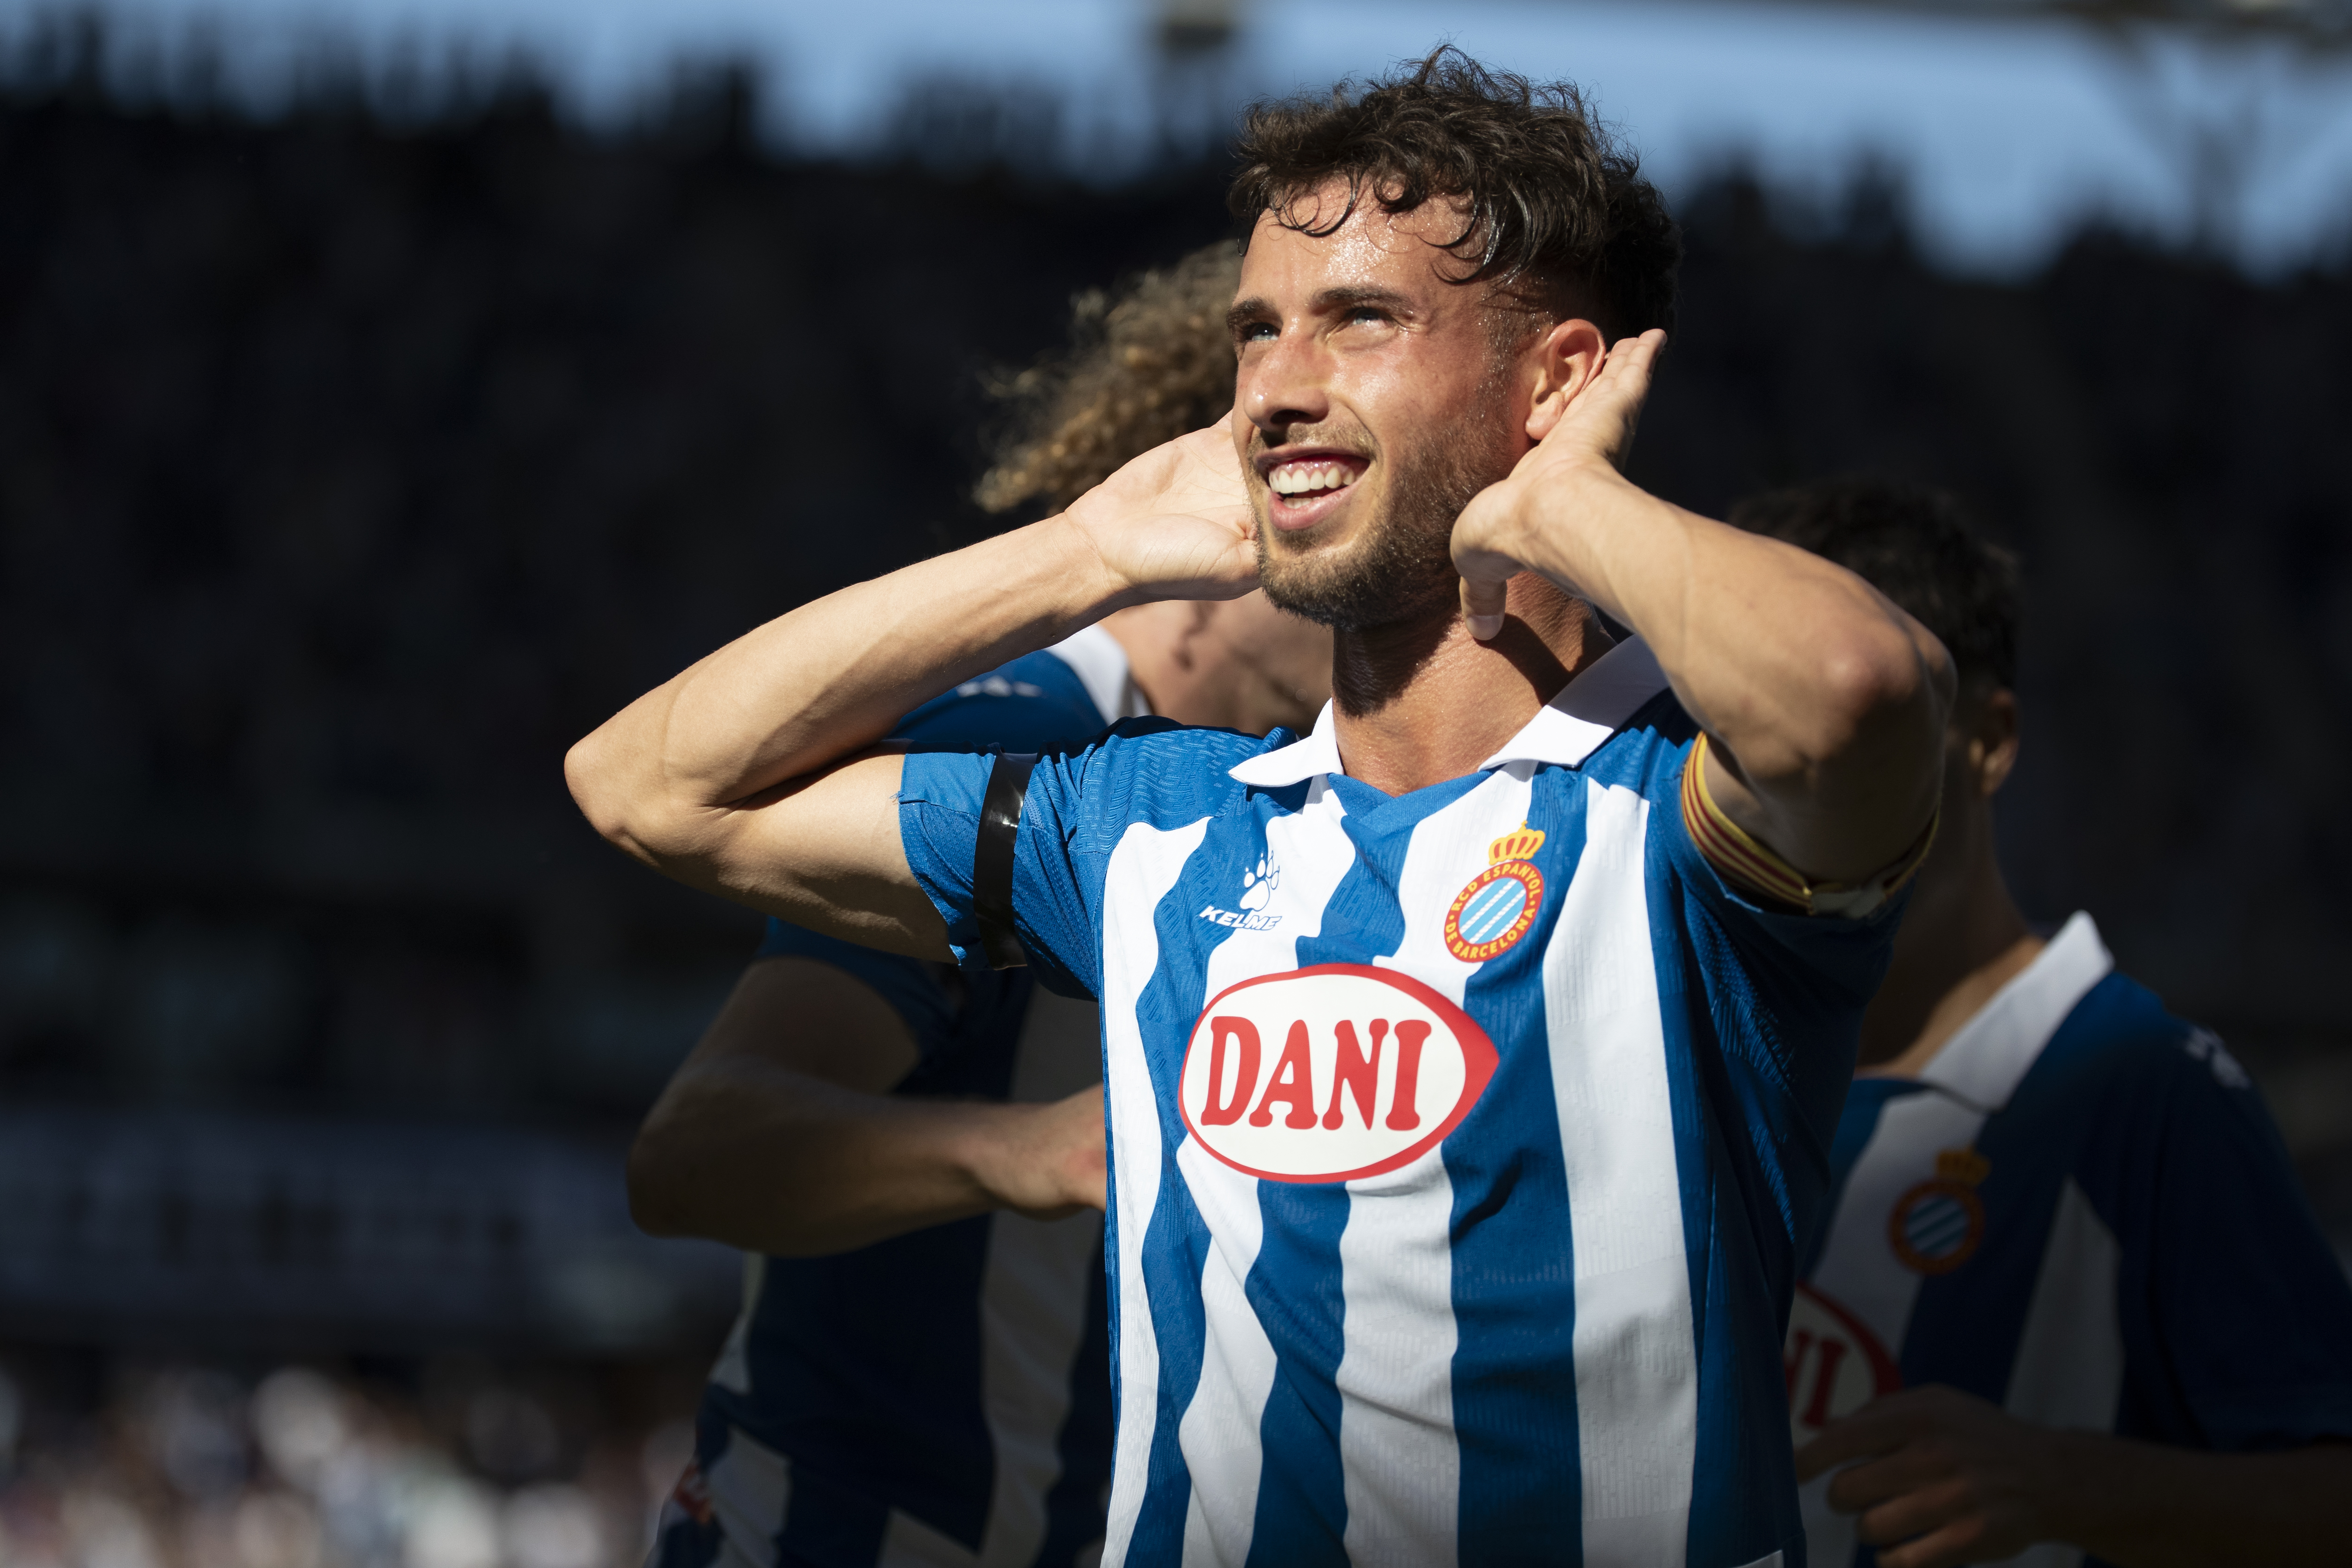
[[1937, 1224], [1500, 903]]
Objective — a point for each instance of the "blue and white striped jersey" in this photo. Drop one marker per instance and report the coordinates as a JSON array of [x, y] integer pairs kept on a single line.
[[943, 1397], [2081, 1212], [1460, 1141]]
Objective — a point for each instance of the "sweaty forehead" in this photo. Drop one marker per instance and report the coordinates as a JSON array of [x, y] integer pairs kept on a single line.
[[1370, 246]]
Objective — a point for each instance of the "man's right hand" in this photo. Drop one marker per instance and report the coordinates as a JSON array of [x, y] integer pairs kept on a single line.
[[1176, 522]]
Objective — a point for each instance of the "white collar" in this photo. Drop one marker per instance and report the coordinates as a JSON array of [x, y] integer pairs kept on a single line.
[[1984, 1061], [1564, 731], [1095, 657]]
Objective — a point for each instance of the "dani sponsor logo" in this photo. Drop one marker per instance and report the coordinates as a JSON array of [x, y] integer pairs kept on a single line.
[[1835, 1365], [1330, 1073]]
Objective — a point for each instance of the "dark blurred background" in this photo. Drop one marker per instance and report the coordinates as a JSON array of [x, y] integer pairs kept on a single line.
[[356, 458]]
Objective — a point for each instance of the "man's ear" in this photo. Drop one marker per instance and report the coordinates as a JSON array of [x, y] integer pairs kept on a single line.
[[1992, 739], [1563, 362]]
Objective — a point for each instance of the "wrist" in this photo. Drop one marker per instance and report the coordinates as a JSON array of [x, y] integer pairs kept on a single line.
[[991, 1149], [1086, 570], [1554, 523]]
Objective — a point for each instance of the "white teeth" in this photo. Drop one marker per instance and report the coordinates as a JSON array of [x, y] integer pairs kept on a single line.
[[1298, 478]]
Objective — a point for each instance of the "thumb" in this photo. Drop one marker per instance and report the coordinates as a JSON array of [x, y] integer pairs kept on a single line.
[[1481, 605]]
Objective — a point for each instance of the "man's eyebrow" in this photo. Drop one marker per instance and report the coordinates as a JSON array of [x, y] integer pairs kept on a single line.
[[1349, 297], [1327, 301]]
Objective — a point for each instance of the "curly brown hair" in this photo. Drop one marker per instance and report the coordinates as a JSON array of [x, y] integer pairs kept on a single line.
[[1553, 201], [1146, 366]]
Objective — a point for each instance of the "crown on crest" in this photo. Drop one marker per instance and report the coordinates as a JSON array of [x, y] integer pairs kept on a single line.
[[1520, 843], [1963, 1165]]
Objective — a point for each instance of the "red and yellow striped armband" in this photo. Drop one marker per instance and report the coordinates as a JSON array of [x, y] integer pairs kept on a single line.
[[1757, 869]]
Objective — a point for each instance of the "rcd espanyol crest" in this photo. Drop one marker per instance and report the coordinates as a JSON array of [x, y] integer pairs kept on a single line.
[[1937, 1224], [1500, 902], [1332, 1072]]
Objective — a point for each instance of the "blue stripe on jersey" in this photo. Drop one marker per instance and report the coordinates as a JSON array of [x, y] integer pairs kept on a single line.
[[1173, 1246], [1514, 1261], [1302, 1506]]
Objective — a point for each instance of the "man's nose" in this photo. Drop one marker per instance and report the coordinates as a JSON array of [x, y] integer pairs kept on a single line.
[[1287, 382]]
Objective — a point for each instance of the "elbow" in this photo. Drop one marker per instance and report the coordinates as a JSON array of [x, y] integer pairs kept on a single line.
[[615, 802], [589, 777], [1883, 682]]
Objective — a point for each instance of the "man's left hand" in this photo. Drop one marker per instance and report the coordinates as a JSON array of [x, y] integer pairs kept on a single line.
[[1953, 1479]]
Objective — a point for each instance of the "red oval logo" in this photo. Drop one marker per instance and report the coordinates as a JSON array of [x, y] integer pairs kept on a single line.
[[1330, 1073]]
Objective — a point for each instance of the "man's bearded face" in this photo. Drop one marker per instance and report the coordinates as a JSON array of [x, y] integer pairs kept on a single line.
[[1372, 405]]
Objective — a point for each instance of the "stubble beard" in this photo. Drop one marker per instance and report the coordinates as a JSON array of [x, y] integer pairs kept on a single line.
[[1401, 566]]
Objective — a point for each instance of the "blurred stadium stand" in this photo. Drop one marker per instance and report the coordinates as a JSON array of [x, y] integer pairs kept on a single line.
[[354, 463]]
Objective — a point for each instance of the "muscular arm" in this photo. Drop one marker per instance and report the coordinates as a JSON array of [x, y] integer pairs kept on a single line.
[[1824, 703], [776, 1135], [742, 775], [1955, 1481]]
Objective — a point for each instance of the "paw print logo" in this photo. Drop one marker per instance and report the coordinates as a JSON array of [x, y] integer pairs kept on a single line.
[[1258, 883]]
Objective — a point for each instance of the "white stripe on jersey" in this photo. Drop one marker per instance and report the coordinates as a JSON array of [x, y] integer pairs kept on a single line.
[[1219, 1430], [749, 1487], [1636, 1364], [733, 1372], [1141, 871], [1033, 1301], [2069, 1370]]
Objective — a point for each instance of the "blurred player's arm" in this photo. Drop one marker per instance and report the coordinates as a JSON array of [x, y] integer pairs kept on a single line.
[[750, 774], [1958, 1480], [775, 1136], [1824, 703]]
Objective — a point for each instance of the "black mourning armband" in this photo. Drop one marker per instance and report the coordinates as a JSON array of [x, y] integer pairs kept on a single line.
[[991, 857]]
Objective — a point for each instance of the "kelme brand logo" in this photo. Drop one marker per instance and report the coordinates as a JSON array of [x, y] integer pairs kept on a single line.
[[1499, 904], [1330, 1073]]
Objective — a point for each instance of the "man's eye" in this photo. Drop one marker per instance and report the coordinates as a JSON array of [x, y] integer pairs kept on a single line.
[[1368, 313], [1256, 332]]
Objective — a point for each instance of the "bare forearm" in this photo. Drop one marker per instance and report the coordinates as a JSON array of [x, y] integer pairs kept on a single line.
[[826, 679], [1830, 700], [2145, 1505], [775, 1161]]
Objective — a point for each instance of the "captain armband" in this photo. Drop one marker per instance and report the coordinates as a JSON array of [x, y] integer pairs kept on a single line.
[[991, 857], [1757, 869]]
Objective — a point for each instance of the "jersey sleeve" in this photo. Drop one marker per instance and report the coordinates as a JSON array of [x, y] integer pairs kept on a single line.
[[908, 985], [2235, 1312], [940, 796], [1760, 872], [1805, 964]]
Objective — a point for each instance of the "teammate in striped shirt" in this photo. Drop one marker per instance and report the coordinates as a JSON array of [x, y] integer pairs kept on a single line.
[[915, 1380], [2060, 1210], [1463, 1114]]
